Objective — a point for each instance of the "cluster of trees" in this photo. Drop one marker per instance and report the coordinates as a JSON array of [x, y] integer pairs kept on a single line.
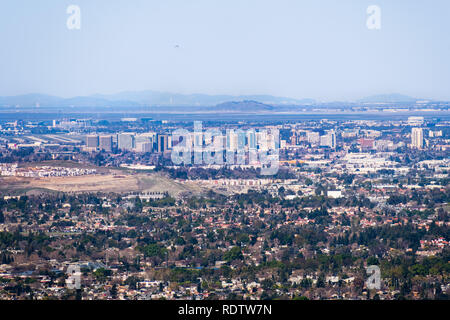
[[425, 197], [152, 250], [22, 155]]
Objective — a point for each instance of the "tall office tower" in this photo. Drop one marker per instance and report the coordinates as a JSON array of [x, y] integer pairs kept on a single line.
[[232, 140], [162, 143], [272, 140], [275, 137], [144, 147], [332, 135], [142, 139], [313, 137], [328, 140], [324, 141], [219, 143], [106, 143], [125, 141], [240, 140], [262, 140], [251, 137], [92, 141], [169, 142], [417, 138]]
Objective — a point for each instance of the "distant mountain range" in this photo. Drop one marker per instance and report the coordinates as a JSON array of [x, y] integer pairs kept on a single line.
[[143, 98], [178, 102], [243, 106]]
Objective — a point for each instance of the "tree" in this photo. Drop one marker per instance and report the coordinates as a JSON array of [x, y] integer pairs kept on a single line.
[[132, 282], [358, 285], [101, 274], [234, 253], [320, 282], [113, 291]]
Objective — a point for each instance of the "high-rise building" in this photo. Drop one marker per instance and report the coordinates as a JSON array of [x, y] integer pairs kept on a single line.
[[251, 137], [125, 141], [106, 143], [332, 135], [328, 140], [273, 141], [162, 143], [324, 141], [262, 140], [141, 141], [417, 138], [169, 142], [219, 142], [232, 140], [92, 141], [313, 137], [240, 140], [144, 147]]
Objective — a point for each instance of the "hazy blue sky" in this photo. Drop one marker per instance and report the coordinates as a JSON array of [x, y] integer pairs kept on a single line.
[[303, 49]]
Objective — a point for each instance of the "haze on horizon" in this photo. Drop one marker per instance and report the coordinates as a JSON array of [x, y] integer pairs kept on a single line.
[[318, 49]]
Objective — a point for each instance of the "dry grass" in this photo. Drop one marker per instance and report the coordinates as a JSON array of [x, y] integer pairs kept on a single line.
[[115, 181]]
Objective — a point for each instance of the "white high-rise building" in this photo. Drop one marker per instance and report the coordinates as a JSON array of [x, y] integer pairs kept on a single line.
[[332, 137], [144, 147], [328, 140], [261, 140], [126, 141], [232, 140], [417, 138], [313, 137], [219, 143]]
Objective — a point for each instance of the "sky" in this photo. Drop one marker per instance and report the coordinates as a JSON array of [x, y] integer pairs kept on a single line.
[[320, 49]]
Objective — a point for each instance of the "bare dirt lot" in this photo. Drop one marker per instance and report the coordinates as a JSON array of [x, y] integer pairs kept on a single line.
[[115, 181]]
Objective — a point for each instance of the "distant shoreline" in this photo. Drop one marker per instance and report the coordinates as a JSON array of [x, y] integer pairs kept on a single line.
[[219, 116]]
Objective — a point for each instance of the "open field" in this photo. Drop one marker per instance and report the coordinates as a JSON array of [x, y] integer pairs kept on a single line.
[[115, 181]]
